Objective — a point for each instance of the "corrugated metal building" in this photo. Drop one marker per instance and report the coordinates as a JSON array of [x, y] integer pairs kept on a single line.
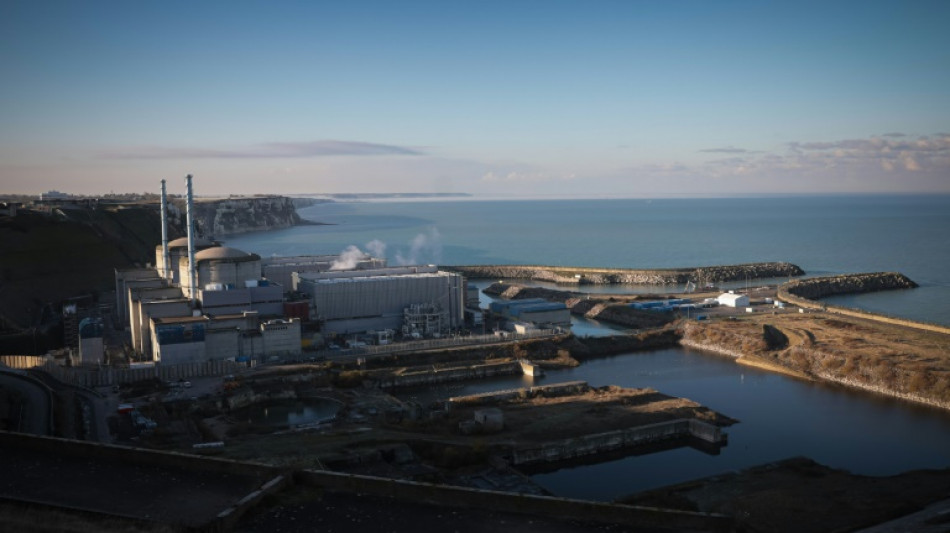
[[223, 300], [364, 300]]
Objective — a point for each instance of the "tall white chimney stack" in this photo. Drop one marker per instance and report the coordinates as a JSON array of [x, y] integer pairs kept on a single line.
[[192, 275], [165, 258]]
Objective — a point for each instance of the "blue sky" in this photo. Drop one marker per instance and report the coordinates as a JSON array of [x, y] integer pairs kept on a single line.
[[630, 98]]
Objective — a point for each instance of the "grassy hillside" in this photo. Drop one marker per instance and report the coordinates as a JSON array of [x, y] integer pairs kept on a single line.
[[46, 259]]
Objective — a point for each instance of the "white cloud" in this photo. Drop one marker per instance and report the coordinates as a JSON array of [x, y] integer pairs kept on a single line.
[[259, 151], [525, 177]]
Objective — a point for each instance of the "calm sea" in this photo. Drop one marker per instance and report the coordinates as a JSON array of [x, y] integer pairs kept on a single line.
[[823, 235], [779, 417]]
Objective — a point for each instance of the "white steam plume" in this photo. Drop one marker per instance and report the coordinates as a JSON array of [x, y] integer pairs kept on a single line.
[[376, 248], [424, 248], [349, 258]]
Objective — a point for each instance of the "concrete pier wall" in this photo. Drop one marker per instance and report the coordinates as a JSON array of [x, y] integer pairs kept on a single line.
[[613, 440]]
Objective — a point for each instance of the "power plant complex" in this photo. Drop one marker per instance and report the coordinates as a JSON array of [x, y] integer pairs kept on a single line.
[[204, 302]]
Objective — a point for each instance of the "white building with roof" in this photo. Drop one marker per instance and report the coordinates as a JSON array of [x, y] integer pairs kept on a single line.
[[729, 299]]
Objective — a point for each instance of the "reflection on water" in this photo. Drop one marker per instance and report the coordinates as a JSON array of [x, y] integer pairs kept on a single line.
[[292, 412], [779, 417]]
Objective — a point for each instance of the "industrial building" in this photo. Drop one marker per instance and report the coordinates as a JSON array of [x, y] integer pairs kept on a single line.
[[177, 250], [241, 337], [125, 280], [203, 302], [536, 311], [414, 300], [218, 268], [91, 348], [730, 299], [661, 306], [147, 303]]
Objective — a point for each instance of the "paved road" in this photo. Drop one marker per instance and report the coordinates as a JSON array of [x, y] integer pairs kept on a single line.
[[36, 411], [934, 518]]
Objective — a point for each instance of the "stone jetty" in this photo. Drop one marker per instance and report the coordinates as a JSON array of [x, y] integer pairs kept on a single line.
[[815, 288], [607, 276]]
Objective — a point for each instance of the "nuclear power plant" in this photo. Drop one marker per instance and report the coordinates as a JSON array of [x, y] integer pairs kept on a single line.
[[203, 301]]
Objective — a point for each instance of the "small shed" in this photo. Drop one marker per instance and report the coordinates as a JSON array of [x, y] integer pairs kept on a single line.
[[733, 300]]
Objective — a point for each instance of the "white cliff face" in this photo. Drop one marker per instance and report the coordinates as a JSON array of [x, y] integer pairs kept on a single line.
[[216, 218]]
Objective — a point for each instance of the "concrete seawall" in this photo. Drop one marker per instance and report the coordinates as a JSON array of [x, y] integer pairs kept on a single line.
[[614, 440]]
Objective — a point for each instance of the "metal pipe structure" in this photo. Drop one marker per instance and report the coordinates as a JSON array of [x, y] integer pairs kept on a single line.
[[192, 275], [165, 258]]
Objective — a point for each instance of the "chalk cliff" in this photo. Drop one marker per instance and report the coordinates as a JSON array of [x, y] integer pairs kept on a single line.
[[227, 216]]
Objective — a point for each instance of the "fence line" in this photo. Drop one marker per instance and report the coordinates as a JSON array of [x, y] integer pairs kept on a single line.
[[23, 362], [105, 375], [434, 344]]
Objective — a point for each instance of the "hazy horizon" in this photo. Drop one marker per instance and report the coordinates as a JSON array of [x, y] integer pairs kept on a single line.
[[614, 99]]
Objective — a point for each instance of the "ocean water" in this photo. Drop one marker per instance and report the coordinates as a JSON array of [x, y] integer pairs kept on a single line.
[[823, 235], [779, 417]]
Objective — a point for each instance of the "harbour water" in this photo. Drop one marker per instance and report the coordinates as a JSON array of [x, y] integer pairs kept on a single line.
[[779, 417]]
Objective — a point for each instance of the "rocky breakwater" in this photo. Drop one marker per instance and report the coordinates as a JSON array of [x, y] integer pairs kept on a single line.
[[816, 288], [607, 276]]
